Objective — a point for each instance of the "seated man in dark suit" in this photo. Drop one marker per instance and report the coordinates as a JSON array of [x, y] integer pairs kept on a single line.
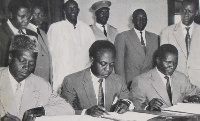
[[95, 89], [16, 24], [23, 94], [162, 86]]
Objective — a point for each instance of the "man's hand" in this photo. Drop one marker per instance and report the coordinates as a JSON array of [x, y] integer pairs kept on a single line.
[[30, 115], [121, 106], [9, 117], [192, 99], [96, 111], [155, 104]]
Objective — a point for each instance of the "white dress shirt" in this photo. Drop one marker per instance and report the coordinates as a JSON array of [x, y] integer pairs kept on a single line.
[[14, 83], [139, 35], [190, 30], [14, 30], [101, 27]]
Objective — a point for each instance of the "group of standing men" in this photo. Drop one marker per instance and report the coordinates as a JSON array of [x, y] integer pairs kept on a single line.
[[84, 56]]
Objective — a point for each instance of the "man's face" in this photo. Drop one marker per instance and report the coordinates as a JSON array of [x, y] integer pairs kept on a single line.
[[167, 64], [22, 64], [38, 17], [140, 21], [103, 65], [71, 12], [21, 18], [102, 15], [188, 13]]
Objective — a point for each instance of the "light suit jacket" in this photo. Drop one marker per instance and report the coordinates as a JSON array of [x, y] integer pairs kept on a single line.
[[44, 65], [189, 66], [37, 92], [131, 60], [150, 85], [99, 35], [78, 89]]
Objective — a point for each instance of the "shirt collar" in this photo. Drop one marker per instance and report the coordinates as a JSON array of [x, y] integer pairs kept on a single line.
[[93, 76], [14, 82], [100, 26], [14, 30], [184, 26], [137, 31]]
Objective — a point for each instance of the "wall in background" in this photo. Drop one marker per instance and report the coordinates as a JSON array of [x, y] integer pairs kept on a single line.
[[121, 11]]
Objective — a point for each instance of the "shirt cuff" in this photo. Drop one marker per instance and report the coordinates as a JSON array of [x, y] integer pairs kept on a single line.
[[131, 106], [83, 112]]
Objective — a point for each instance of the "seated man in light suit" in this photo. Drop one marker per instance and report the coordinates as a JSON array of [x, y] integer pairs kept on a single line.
[[162, 86], [22, 93], [102, 30], [95, 89]]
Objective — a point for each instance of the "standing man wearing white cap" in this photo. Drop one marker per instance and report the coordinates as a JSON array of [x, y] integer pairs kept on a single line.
[[101, 29], [69, 42]]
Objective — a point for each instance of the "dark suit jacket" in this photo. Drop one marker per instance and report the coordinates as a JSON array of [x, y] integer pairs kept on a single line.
[[150, 85], [78, 89], [131, 60], [43, 65], [5, 39]]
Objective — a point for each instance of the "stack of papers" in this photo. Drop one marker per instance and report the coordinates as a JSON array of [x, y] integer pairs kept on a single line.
[[129, 116], [190, 108]]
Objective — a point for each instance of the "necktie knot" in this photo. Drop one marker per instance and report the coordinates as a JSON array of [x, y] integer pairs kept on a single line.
[[19, 85], [167, 78], [20, 31], [187, 29], [104, 30], [100, 81]]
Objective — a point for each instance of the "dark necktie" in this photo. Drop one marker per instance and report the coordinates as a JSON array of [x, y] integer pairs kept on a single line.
[[38, 31], [101, 94], [187, 40], [143, 44], [21, 32], [168, 87], [104, 30]]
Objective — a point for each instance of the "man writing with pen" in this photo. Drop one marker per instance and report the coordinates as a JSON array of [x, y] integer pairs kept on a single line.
[[96, 90], [163, 86]]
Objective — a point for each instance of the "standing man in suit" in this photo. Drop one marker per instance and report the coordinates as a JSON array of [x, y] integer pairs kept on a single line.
[[16, 24], [135, 48], [185, 36], [102, 30], [162, 86], [43, 65], [69, 42], [95, 89], [22, 93]]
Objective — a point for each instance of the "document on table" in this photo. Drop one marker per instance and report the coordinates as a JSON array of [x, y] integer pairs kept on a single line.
[[190, 108], [128, 116]]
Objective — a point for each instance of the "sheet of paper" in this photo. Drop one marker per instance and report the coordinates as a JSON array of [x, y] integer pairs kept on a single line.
[[185, 107], [131, 116]]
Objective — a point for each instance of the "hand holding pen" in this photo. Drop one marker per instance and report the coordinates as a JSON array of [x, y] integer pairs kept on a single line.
[[97, 111]]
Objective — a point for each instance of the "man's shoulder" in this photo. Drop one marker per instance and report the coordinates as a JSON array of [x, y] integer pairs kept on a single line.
[[152, 34], [37, 80], [172, 27], [112, 27], [58, 23]]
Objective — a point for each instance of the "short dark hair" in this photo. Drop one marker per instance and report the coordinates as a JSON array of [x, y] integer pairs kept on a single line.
[[164, 49], [194, 2], [15, 5], [135, 13], [41, 7], [68, 2], [100, 45]]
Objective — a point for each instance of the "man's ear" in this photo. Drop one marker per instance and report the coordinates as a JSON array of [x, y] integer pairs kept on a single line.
[[157, 60], [10, 57], [91, 59], [197, 12]]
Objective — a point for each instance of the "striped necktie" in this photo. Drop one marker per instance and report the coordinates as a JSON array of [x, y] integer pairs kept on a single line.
[[100, 94], [18, 96]]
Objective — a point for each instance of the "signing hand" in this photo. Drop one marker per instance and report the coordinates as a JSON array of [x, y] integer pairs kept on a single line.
[[30, 115], [96, 111], [121, 106], [9, 117], [155, 104]]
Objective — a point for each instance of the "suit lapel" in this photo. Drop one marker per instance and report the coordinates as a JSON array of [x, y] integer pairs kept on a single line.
[[109, 89], [30, 94], [178, 34], [194, 39], [149, 44], [136, 42], [7, 29], [7, 95], [88, 86], [159, 87]]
